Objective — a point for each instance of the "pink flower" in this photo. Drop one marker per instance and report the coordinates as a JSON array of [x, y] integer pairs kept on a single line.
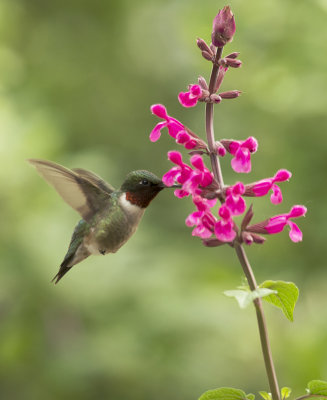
[[190, 98], [234, 199], [181, 173], [203, 220], [224, 227], [190, 178], [176, 129], [173, 125], [241, 150], [186, 140], [200, 176], [277, 223], [261, 188], [223, 27]]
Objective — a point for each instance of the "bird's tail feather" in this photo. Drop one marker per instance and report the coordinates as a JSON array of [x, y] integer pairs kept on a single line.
[[63, 269]]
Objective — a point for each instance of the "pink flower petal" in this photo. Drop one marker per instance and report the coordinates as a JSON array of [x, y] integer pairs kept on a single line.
[[180, 193], [169, 177], [224, 231], [175, 157], [276, 224], [224, 212], [236, 205], [202, 232], [261, 188], [295, 232], [186, 100], [174, 127], [276, 196], [282, 175], [196, 90], [182, 137], [197, 162], [251, 144], [190, 144], [297, 211], [242, 161], [194, 218], [160, 111], [156, 131]]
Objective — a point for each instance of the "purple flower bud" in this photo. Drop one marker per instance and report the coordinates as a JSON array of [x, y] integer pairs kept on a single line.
[[223, 27], [235, 54], [202, 45], [230, 62], [247, 217], [231, 94], [212, 242], [207, 55], [203, 83], [215, 98]]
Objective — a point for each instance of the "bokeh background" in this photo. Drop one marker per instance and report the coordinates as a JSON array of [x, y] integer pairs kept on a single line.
[[77, 78]]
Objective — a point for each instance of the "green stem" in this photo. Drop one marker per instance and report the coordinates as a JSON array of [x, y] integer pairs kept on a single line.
[[265, 345], [308, 396]]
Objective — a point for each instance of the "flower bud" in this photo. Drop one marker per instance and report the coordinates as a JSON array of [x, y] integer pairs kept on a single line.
[[207, 56], [231, 62], [231, 94], [212, 242], [203, 83], [223, 27], [247, 218], [235, 54], [215, 98], [202, 45]]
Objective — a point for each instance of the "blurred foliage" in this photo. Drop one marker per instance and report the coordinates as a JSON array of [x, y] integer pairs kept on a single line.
[[77, 78]]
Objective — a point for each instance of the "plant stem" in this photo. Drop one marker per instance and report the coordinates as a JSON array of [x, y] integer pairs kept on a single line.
[[209, 124], [265, 345]]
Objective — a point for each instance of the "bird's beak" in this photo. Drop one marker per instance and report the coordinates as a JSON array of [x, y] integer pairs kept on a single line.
[[163, 186]]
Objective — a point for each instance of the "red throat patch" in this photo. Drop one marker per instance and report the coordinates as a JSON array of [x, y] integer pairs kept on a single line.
[[140, 199]]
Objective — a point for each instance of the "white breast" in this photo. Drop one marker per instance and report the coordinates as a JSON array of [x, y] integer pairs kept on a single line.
[[129, 208]]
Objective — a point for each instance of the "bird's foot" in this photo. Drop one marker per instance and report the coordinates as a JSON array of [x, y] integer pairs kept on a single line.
[[103, 252]]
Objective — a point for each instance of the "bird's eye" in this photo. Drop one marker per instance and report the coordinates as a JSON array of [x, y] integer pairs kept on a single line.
[[144, 182]]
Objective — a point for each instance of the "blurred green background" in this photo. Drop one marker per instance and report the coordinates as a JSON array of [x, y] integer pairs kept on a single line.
[[77, 78]]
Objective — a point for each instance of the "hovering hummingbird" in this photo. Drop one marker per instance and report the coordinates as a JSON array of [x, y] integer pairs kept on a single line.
[[109, 216]]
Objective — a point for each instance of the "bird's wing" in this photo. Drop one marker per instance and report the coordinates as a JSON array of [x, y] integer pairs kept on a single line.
[[95, 179], [77, 191]]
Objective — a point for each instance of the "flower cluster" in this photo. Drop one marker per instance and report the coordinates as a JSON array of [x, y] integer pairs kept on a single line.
[[198, 182]]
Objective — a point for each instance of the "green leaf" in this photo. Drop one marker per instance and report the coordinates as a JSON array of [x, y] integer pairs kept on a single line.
[[245, 297], [285, 298], [265, 395], [250, 396], [224, 393], [286, 392], [318, 387]]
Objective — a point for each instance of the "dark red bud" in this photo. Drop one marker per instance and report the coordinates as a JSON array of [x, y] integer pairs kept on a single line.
[[207, 56], [202, 45], [203, 83], [258, 239], [247, 218], [223, 27], [215, 98], [212, 242], [231, 62], [231, 94], [233, 55]]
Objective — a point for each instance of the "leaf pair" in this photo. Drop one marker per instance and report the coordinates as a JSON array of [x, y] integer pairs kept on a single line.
[[281, 294]]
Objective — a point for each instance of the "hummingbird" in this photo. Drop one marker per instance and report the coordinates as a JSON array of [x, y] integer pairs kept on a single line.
[[109, 216]]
